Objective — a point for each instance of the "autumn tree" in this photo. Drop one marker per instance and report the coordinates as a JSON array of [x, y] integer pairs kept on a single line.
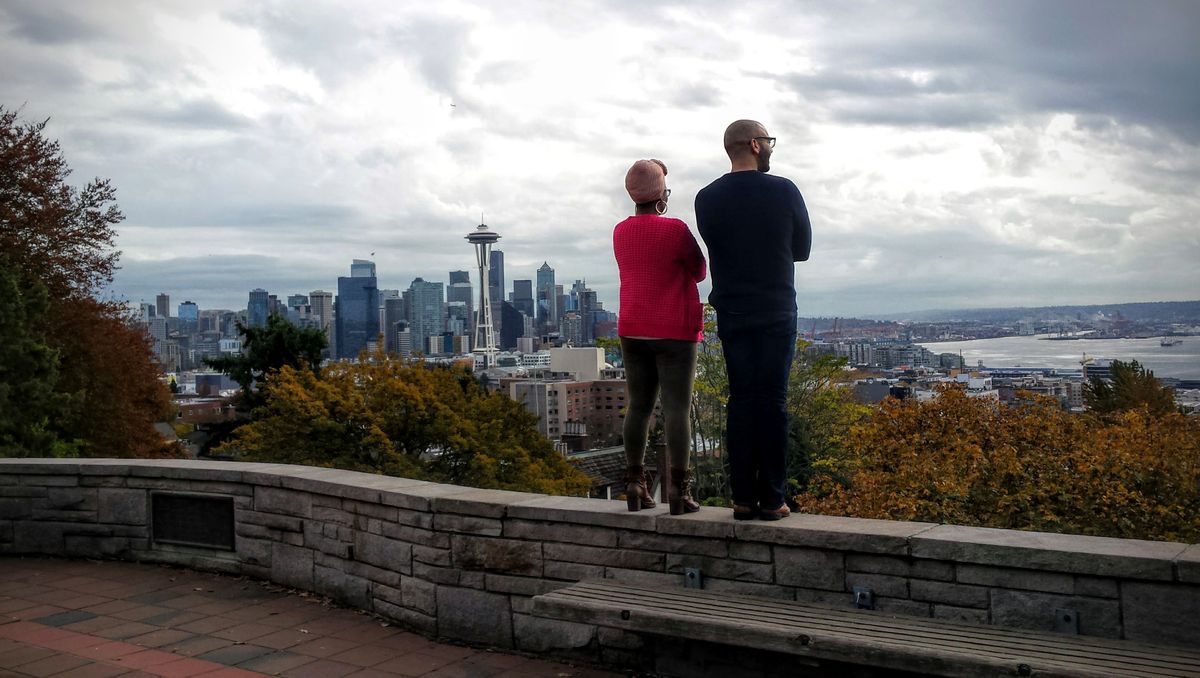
[[387, 415], [51, 231], [60, 238], [267, 349], [1132, 386], [971, 461], [108, 359]]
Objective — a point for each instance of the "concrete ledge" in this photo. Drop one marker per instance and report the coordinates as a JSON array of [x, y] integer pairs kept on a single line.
[[414, 550], [1076, 554], [1188, 565], [835, 532]]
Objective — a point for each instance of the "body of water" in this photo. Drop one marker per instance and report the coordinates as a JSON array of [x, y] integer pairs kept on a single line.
[[1181, 361]]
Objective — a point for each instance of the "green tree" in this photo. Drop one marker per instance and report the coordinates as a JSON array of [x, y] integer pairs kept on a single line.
[[28, 371], [1132, 387], [710, 395], [267, 349], [821, 411]]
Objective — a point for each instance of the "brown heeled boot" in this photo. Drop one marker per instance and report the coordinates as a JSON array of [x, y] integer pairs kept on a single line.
[[637, 490], [679, 493]]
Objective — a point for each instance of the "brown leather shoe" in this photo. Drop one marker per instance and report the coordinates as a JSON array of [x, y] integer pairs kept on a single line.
[[744, 512], [637, 491], [775, 514], [679, 493]]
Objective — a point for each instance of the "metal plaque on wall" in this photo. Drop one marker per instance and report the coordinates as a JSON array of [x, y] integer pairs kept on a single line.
[[192, 519]]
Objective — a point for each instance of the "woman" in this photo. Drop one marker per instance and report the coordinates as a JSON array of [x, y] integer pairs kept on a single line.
[[659, 325]]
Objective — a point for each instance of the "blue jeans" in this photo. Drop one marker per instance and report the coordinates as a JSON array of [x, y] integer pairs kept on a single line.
[[758, 348]]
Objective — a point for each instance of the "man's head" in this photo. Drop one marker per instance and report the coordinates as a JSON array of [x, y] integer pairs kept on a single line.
[[748, 145]]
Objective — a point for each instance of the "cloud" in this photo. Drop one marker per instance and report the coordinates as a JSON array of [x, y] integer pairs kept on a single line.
[[46, 23], [200, 113], [965, 64], [951, 153]]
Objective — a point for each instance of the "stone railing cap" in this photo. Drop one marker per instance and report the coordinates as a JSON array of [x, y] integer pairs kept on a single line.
[[836, 532], [1078, 554]]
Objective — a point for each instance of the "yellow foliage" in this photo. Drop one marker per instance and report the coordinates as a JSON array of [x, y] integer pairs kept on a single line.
[[967, 461], [387, 415]]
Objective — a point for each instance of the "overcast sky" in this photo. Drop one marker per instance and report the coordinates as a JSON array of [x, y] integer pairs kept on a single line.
[[956, 154]]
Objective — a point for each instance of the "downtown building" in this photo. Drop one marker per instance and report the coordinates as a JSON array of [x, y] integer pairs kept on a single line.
[[576, 397], [356, 321]]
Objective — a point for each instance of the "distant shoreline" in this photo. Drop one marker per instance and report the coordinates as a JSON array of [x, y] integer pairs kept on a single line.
[[1047, 338]]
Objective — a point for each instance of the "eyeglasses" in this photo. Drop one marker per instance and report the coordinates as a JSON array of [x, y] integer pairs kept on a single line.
[[770, 141]]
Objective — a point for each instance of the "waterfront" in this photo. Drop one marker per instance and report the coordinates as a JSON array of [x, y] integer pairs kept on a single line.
[[1181, 361]]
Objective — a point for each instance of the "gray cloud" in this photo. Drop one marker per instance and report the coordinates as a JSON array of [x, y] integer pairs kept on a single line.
[[438, 46], [46, 23], [926, 138], [990, 61], [198, 113]]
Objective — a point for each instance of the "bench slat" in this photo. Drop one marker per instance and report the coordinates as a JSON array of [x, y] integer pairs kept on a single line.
[[996, 640], [858, 636]]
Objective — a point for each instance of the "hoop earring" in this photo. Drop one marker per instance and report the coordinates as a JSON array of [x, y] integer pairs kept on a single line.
[[660, 207]]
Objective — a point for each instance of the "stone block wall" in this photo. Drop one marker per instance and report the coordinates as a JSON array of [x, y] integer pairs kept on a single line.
[[464, 563]]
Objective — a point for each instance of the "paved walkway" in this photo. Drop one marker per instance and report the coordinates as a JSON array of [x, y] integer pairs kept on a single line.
[[89, 619]]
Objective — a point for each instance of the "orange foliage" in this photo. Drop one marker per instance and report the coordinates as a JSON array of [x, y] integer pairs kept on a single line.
[[967, 461], [107, 363]]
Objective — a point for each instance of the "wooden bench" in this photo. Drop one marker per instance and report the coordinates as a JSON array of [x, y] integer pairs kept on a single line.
[[863, 637]]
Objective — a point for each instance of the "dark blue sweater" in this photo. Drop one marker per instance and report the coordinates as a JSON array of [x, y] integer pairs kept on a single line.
[[755, 226]]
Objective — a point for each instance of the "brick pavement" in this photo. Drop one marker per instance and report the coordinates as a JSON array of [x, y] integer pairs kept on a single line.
[[93, 619]]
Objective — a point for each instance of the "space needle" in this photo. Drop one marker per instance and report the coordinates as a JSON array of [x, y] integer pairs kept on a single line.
[[485, 339]]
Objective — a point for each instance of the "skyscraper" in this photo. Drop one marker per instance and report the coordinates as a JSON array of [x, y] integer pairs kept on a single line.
[[514, 326], [357, 318], [298, 308], [321, 311], [258, 307], [496, 276], [189, 312], [523, 299], [162, 305], [586, 306], [395, 318], [385, 296], [425, 317], [460, 290], [547, 296], [189, 317]]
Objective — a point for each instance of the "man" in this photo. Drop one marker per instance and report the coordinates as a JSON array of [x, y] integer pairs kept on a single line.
[[755, 226]]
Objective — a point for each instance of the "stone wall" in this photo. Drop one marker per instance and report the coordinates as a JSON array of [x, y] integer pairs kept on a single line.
[[463, 563]]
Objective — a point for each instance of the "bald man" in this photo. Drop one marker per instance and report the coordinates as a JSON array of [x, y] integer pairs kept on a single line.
[[756, 227]]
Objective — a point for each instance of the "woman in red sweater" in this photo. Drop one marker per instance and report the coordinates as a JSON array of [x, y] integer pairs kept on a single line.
[[660, 324]]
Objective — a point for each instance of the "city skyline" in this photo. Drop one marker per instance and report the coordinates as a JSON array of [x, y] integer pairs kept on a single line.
[[952, 154]]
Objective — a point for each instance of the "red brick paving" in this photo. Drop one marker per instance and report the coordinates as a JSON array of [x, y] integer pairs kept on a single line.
[[154, 621]]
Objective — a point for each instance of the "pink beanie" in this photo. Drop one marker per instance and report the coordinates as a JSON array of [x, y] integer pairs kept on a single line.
[[646, 181]]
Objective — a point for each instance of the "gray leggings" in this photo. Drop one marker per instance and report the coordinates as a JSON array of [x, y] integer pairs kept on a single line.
[[651, 366]]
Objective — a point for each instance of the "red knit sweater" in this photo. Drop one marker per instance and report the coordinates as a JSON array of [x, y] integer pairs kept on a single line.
[[660, 264]]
